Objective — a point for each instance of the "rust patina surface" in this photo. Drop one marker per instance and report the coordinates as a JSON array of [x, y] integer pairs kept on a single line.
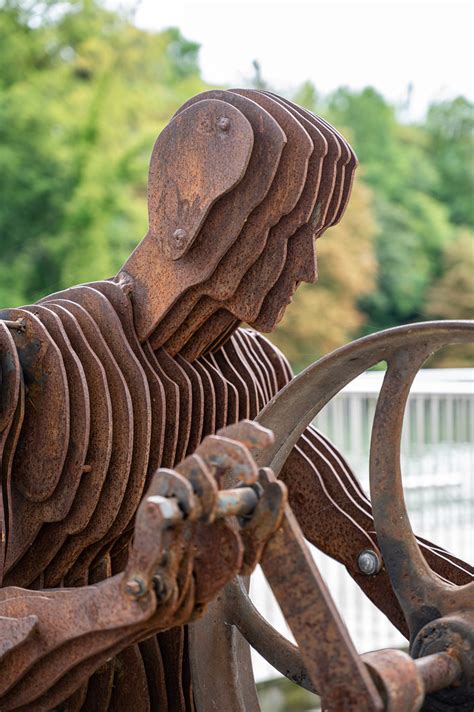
[[153, 451]]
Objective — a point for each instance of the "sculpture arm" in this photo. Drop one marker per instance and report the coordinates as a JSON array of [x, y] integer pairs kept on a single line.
[[183, 553]]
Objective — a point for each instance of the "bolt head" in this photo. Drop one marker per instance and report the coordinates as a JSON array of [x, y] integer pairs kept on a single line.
[[369, 562], [160, 587], [223, 123], [179, 236]]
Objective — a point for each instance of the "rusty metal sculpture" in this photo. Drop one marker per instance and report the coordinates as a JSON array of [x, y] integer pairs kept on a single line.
[[116, 388]]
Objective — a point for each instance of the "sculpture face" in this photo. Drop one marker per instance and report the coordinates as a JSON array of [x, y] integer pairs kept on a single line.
[[268, 306]]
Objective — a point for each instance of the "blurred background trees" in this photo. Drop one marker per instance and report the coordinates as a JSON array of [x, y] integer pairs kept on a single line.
[[83, 95]]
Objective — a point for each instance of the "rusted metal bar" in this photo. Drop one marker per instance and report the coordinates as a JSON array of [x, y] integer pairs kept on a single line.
[[438, 671]]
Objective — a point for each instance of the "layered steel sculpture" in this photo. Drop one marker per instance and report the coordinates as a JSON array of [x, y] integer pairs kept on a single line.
[[124, 514]]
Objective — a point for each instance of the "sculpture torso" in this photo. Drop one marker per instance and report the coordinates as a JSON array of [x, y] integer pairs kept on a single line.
[[128, 410]]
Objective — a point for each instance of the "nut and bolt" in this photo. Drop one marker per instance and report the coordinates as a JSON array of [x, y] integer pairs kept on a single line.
[[369, 562], [135, 588]]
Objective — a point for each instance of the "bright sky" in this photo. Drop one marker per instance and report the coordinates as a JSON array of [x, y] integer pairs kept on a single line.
[[383, 43]]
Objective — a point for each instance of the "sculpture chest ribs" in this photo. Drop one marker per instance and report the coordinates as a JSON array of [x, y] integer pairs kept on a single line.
[[104, 383]]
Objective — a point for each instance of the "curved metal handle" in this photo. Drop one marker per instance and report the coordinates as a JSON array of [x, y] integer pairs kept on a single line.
[[423, 595]]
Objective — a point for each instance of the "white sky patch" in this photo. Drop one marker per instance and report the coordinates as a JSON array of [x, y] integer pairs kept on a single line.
[[388, 45]]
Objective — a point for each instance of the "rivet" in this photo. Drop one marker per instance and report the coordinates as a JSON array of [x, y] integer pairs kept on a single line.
[[369, 562], [179, 235], [135, 588], [223, 123]]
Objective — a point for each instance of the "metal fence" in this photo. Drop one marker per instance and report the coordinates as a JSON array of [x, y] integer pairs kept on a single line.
[[438, 478]]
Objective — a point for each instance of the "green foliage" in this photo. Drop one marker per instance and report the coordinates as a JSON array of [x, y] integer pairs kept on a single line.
[[83, 95], [450, 128]]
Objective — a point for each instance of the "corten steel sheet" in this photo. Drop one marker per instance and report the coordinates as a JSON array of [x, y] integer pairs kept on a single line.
[[104, 505], [378, 357], [209, 396], [52, 536], [355, 358], [76, 700], [154, 669], [172, 409], [221, 227], [269, 368], [231, 373], [58, 657], [105, 316], [28, 516], [350, 166], [253, 288], [205, 170], [130, 688], [300, 266], [325, 446], [281, 199], [239, 363], [281, 368], [257, 357], [220, 389], [179, 377], [39, 460], [210, 131], [9, 377], [46, 604], [244, 349], [258, 372], [10, 380], [334, 207], [99, 688], [232, 401], [299, 257], [222, 338], [231, 213], [101, 310], [9, 449], [336, 486], [338, 536], [207, 338], [123, 308], [197, 404], [330, 164]]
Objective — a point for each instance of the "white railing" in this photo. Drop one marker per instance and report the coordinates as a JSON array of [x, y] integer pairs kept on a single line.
[[438, 478]]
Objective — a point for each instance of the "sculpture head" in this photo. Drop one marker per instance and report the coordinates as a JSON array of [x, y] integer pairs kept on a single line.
[[239, 182]]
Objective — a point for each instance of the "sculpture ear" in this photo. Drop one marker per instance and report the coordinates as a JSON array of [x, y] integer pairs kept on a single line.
[[200, 155]]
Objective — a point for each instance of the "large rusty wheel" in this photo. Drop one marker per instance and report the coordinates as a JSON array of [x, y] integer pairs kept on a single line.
[[439, 614]]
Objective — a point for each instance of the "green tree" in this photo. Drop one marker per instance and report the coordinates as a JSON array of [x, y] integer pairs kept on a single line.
[[452, 295], [450, 128], [82, 98]]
